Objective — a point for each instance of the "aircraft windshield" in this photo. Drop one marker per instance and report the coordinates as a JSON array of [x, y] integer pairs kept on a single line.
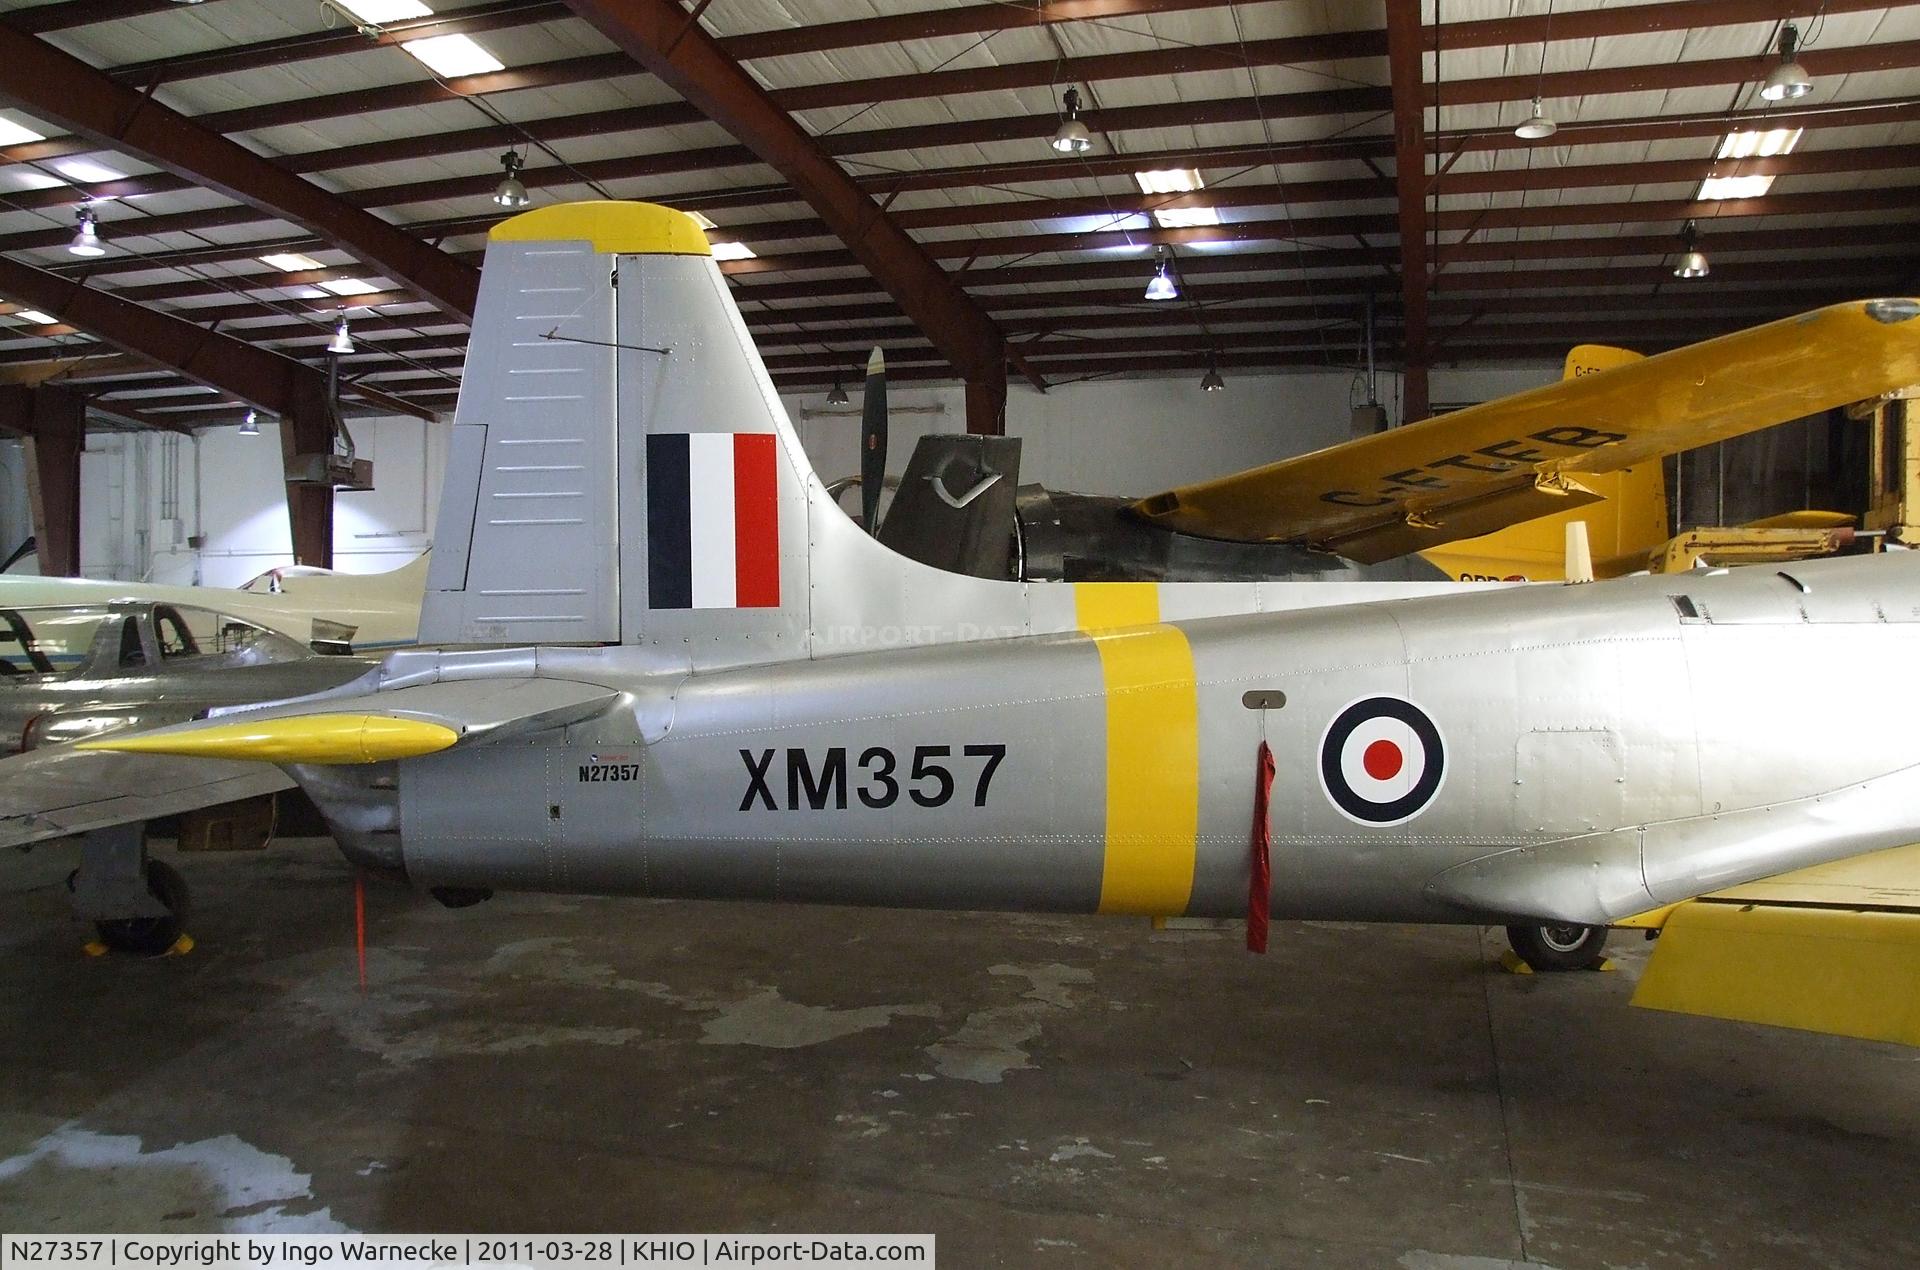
[[189, 632], [33, 641]]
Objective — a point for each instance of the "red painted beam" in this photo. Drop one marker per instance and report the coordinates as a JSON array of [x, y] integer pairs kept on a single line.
[[76, 13], [663, 38], [338, 40], [267, 379], [62, 89]]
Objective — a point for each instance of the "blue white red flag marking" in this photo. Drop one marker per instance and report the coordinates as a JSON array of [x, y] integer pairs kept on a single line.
[[713, 525]]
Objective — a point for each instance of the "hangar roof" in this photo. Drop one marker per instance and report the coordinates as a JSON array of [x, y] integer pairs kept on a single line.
[[941, 112]]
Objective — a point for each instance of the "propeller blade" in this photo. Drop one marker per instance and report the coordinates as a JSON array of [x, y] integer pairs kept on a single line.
[[873, 441]]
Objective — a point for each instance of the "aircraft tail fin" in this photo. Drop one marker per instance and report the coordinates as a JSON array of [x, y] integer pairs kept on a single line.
[[692, 522]]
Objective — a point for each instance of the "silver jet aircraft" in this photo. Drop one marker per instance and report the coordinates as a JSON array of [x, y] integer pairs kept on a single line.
[[705, 680]]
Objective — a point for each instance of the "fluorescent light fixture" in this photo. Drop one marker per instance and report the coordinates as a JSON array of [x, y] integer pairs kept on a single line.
[[1169, 181], [86, 171], [1186, 217], [290, 261], [1734, 187], [453, 56], [1765, 145], [350, 286], [36, 317], [381, 12], [13, 134], [732, 251]]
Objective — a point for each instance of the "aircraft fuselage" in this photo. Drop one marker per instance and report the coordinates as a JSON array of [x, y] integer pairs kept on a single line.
[[1574, 753]]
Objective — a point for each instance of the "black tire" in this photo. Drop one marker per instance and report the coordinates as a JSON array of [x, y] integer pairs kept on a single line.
[[150, 936], [1558, 946]]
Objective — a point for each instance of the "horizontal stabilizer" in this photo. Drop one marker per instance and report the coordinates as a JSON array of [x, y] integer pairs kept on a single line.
[[1833, 949], [377, 726]]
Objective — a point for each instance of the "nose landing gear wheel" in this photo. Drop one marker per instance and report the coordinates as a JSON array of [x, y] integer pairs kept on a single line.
[[1559, 946], [150, 936]]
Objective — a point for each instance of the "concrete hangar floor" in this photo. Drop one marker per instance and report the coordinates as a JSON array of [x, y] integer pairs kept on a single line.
[[1038, 1091]]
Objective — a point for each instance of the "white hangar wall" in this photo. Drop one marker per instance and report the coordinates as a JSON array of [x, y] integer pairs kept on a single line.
[[144, 495]]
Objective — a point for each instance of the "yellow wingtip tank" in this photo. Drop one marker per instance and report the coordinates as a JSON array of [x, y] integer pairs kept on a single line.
[[313, 738]]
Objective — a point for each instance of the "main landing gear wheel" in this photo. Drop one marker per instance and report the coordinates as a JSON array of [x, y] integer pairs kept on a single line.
[[1559, 946], [150, 936]]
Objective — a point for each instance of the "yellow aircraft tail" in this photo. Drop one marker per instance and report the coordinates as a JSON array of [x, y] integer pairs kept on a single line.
[[1628, 522]]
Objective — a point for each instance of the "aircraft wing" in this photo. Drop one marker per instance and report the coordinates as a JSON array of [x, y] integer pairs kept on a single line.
[[57, 791], [1480, 469], [369, 727], [1834, 948]]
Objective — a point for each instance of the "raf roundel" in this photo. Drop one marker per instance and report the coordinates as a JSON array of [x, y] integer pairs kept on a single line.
[[1382, 761]]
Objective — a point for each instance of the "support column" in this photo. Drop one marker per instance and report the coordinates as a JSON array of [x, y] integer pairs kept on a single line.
[[1414, 403], [305, 430], [987, 406], [1405, 66], [54, 423]]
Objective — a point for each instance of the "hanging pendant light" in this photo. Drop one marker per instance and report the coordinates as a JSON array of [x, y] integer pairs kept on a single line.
[[250, 426], [1788, 81], [510, 193], [86, 238], [1693, 261], [342, 341], [1072, 137], [1211, 381], [837, 395], [1160, 286], [1538, 127]]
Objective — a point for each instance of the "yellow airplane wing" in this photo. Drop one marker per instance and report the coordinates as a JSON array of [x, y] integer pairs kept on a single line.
[[1834, 949], [1477, 470]]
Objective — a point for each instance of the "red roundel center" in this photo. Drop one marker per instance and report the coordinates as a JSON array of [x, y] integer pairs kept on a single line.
[[1383, 760]]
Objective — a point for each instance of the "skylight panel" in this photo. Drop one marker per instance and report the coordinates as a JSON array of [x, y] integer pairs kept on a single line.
[[732, 251], [381, 12], [350, 286], [36, 317], [21, 177], [1186, 217], [13, 134], [1717, 187], [290, 261], [86, 171], [1750, 144], [453, 56], [1169, 181]]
